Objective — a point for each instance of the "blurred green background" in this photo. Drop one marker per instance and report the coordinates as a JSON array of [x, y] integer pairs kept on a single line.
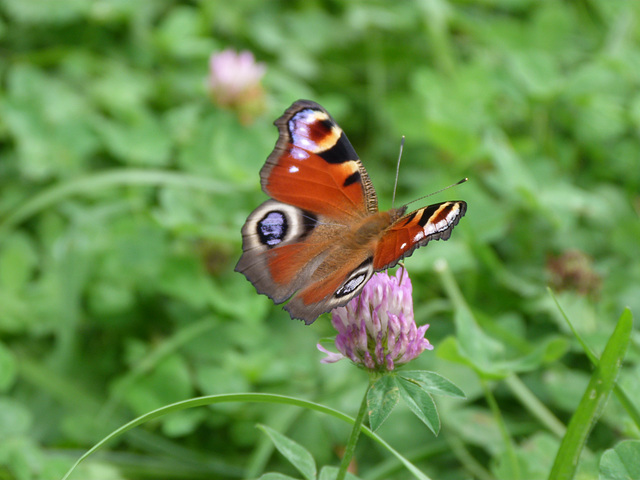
[[124, 183]]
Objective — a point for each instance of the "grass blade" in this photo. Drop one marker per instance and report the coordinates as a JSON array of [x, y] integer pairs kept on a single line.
[[593, 401], [621, 395], [243, 397]]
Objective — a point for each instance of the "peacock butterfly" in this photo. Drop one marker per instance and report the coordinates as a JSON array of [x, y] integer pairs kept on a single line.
[[320, 237]]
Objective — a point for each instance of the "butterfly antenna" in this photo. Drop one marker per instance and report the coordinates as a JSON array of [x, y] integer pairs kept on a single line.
[[395, 185], [441, 190]]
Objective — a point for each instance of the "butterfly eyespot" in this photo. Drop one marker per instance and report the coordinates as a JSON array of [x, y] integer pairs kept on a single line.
[[351, 285], [357, 279], [272, 228]]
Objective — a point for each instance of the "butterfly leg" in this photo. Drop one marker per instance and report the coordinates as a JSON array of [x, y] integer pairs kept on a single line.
[[404, 270]]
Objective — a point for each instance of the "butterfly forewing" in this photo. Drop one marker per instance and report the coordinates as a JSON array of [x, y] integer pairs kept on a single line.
[[416, 229], [314, 166]]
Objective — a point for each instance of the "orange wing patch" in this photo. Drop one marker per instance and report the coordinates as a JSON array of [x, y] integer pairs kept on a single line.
[[314, 166], [416, 229]]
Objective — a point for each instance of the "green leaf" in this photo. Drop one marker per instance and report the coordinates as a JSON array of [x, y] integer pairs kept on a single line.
[[593, 401], [294, 452], [538, 72], [420, 403], [472, 347], [382, 398], [16, 314], [183, 34], [141, 140], [215, 379], [621, 462], [18, 260], [15, 418], [8, 368], [183, 423], [474, 343], [451, 350], [121, 91], [168, 382], [487, 356], [534, 458], [45, 12], [475, 426], [330, 473], [433, 383], [89, 185], [275, 476], [50, 123]]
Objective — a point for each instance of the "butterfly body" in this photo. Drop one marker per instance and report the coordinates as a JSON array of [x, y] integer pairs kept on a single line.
[[320, 237]]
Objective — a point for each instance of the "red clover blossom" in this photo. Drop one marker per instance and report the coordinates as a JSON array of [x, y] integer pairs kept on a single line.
[[377, 329], [234, 82]]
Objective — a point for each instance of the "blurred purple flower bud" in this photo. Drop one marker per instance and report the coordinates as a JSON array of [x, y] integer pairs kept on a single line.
[[234, 82], [377, 329]]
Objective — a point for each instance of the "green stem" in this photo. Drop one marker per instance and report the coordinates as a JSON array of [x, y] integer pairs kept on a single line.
[[353, 438], [506, 438], [473, 466], [534, 405]]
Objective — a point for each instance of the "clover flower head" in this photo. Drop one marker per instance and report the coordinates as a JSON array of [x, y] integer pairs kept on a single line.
[[234, 82], [377, 329]]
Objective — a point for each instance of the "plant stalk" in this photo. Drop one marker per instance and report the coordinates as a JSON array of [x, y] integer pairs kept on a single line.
[[353, 438]]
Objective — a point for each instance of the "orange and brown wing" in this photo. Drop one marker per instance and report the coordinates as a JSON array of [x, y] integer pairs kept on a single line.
[[314, 167], [289, 253], [416, 229], [319, 188]]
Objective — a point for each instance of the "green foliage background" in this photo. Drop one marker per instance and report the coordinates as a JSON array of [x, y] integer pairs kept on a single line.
[[123, 189]]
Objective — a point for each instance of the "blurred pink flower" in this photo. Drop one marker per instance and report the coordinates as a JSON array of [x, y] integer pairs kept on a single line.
[[234, 82], [377, 329]]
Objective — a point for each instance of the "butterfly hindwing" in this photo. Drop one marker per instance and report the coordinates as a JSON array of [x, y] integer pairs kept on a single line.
[[275, 254], [333, 291], [292, 253]]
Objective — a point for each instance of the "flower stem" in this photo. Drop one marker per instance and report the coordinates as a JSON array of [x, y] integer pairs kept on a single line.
[[353, 438], [534, 405], [506, 437]]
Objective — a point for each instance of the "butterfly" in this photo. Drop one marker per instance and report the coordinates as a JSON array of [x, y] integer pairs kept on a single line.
[[320, 237]]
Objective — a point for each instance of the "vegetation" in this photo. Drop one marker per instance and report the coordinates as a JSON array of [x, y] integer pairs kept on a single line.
[[125, 180]]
